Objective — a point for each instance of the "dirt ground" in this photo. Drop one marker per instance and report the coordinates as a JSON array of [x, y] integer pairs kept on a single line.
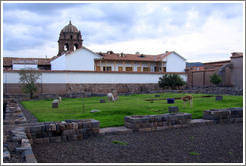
[[217, 143]]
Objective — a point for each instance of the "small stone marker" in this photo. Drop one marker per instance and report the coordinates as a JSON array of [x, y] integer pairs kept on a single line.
[[218, 98], [170, 101], [173, 109], [102, 100], [55, 103], [157, 95], [92, 111]]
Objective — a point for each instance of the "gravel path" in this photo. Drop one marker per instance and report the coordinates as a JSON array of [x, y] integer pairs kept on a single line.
[[221, 143]]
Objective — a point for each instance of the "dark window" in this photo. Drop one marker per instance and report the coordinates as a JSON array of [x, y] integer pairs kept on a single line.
[[71, 36], [106, 68]]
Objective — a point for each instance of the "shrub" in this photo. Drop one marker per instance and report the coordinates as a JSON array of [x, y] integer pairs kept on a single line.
[[215, 79], [170, 80], [29, 78]]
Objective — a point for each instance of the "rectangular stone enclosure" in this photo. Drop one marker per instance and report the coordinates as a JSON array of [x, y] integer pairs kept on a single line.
[[156, 122], [68, 130], [223, 115]]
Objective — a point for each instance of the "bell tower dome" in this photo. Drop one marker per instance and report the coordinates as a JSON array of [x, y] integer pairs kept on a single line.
[[70, 39]]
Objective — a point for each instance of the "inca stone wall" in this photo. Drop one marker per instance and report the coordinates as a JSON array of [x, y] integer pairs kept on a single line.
[[157, 122], [58, 131]]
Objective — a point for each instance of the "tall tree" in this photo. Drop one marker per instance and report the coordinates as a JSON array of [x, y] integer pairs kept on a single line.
[[29, 79]]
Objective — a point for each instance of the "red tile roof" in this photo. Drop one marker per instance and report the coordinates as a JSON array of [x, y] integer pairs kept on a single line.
[[133, 57]]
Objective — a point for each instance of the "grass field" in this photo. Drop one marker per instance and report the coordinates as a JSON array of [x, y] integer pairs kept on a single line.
[[112, 114]]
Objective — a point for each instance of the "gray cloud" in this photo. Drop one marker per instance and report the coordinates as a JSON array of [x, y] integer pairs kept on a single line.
[[31, 25]]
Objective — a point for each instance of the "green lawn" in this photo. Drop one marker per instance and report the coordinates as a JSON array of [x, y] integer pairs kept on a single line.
[[112, 114]]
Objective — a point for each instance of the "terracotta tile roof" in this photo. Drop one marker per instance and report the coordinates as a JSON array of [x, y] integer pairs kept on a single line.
[[236, 54], [8, 61], [133, 57]]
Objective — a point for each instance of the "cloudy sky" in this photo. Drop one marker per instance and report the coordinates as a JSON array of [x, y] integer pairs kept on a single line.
[[197, 31]]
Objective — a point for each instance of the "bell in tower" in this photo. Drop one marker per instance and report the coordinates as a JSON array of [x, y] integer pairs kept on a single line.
[[70, 39]]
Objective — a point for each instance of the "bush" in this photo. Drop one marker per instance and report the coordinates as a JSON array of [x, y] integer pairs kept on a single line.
[[215, 79], [170, 80]]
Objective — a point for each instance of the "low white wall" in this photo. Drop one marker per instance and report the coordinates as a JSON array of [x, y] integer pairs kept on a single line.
[[89, 77], [24, 66]]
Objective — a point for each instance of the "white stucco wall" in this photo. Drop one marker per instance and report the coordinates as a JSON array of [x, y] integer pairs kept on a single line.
[[58, 63], [174, 63], [24, 66], [81, 59], [90, 77]]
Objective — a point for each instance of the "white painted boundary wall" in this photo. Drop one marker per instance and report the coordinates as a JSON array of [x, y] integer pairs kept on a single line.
[[90, 77]]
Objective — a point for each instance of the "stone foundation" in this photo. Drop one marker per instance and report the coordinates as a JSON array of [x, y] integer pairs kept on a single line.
[[13, 113], [224, 115], [62, 131], [156, 122]]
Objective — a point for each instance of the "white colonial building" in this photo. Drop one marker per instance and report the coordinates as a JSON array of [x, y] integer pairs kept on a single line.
[[86, 60]]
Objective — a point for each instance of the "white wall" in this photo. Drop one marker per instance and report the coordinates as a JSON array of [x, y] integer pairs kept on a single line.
[[89, 77], [58, 63], [81, 59], [175, 63], [24, 66]]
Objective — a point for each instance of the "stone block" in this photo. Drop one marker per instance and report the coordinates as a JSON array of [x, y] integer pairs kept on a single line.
[[69, 126], [144, 129], [95, 123], [145, 119], [6, 156], [152, 118], [160, 123], [80, 125], [19, 150], [52, 139], [72, 137], [87, 125], [68, 132], [173, 109], [80, 131], [64, 138], [95, 130], [128, 125], [62, 126], [55, 104], [218, 98], [75, 125]]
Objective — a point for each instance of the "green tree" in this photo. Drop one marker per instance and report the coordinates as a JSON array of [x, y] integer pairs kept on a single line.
[[29, 79], [170, 80], [215, 79]]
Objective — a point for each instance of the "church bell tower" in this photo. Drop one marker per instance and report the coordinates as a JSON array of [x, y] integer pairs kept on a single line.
[[70, 39]]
